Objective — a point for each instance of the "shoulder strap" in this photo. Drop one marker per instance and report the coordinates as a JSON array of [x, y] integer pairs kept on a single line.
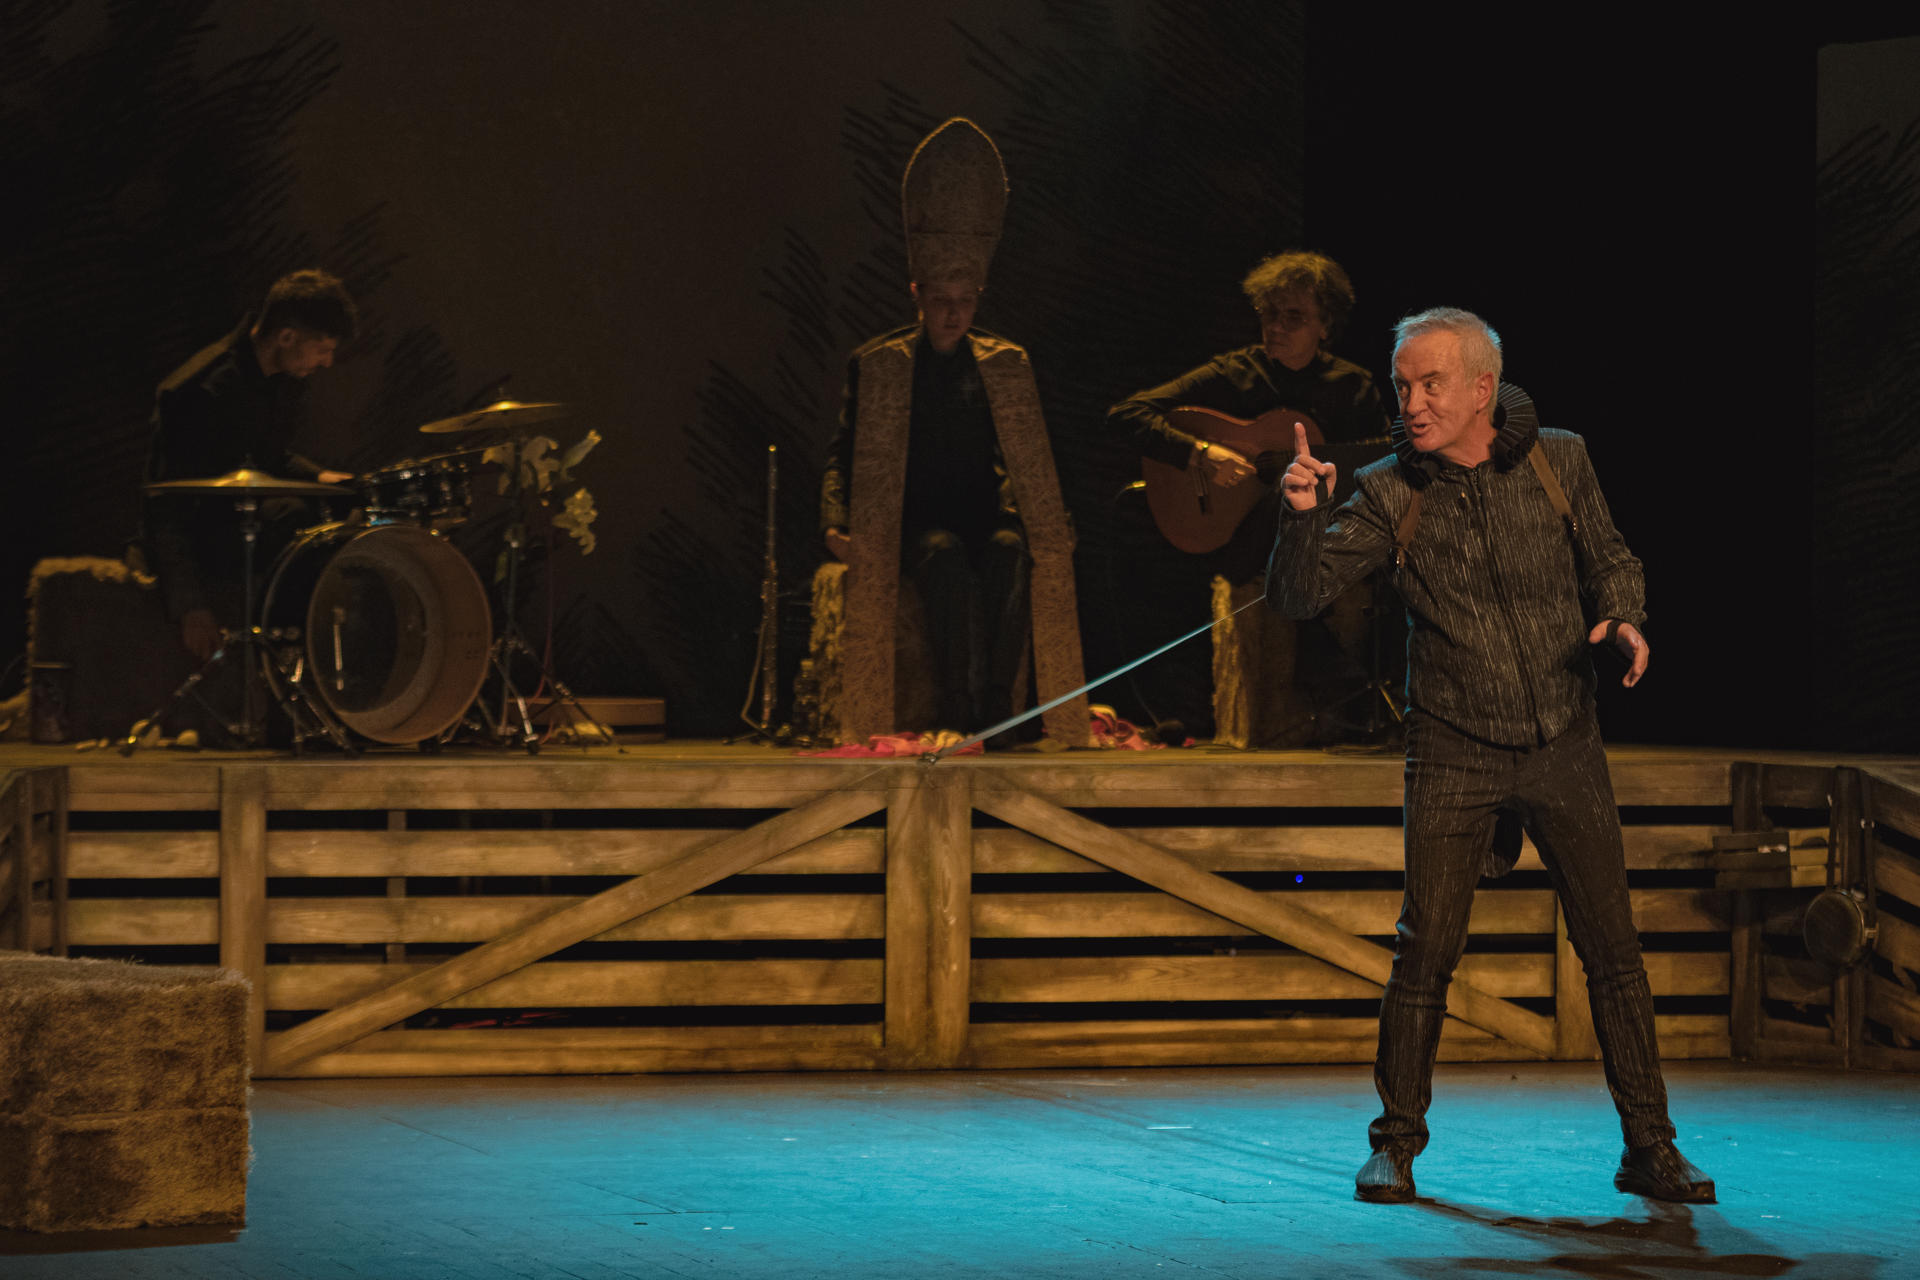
[[1551, 483], [1410, 522], [1409, 525]]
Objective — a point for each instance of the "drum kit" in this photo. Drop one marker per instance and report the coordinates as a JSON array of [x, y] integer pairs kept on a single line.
[[375, 629]]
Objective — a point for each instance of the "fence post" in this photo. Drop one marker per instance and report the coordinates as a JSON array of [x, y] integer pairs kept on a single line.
[[243, 890]]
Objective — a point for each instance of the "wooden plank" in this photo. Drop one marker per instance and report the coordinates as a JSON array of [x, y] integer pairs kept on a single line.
[[1799, 982], [243, 890], [144, 922], [1267, 976], [1178, 1042], [1745, 946], [151, 855], [1159, 915], [1846, 836], [1573, 1036], [54, 787], [1796, 786], [1362, 911], [1300, 780], [1150, 781], [590, 983], [621, 852], [1899, 942], [16, 838], [602, 1051], [170, 787], [1290, 925], [359, 921], [102, 855], [929, 938], [909, 922], [1893, 803], [1894, 873], [1003, 851], [1687, 973], [1880, 1057], [503, 783], [1092, 979], [729, 855], [950, 908], [1893, 1006], [707, 916]]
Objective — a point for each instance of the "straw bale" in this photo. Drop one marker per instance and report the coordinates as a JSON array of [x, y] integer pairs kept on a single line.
[[140, 1169], [85, 1036]]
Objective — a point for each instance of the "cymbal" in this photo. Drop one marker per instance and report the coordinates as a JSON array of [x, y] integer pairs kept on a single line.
[[245, 481], [502, 414]]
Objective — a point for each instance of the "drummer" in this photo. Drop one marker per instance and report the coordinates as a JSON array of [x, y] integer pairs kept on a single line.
[[238, 403]]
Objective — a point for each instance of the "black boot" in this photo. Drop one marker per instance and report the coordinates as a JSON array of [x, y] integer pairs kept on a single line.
[[1660, 1171], [1386, 1178]]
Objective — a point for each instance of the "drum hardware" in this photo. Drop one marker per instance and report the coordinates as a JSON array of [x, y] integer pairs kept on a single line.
[[385, 632], [433, 491], [512, 724], [246, 486]]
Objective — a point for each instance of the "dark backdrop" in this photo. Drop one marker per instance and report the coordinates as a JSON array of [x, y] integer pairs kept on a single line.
[[680, 217]]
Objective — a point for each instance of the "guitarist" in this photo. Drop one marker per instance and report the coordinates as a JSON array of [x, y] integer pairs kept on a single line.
[[1303, 301]]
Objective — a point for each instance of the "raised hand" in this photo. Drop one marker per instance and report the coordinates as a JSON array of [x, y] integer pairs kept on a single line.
[[1631, 644], [1301, 484]]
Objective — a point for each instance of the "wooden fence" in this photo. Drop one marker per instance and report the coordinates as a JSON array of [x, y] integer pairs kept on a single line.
[[1789, 1007], [33, 886], [411, 917]]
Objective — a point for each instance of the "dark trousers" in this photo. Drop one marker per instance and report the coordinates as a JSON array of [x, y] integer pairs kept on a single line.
[[975, 595], [1564, 797]]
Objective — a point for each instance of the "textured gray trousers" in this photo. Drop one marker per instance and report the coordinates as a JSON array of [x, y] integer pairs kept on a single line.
[[1563, 795]]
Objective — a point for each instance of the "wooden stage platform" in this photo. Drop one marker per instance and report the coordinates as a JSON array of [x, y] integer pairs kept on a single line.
[[691, 907]]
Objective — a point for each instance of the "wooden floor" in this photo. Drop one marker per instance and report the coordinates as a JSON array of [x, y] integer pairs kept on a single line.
[[1242, 1174]]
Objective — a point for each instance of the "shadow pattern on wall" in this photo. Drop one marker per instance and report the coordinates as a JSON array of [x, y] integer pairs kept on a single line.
[[1866, 453], [1154, 151], [149, 189]]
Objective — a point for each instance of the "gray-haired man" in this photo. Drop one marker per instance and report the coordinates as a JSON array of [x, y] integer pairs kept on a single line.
[[1496, 530]]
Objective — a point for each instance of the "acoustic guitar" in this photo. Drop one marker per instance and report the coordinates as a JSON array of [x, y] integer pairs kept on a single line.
[[1197, 516]]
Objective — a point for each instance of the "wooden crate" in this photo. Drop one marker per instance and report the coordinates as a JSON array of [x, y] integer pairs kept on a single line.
[[756, 912]]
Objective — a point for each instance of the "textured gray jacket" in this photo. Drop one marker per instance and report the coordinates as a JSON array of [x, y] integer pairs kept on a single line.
[[1497, 631]]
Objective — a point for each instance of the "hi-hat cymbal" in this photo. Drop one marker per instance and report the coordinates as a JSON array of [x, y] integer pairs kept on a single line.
[[245, 481], [502, 414]]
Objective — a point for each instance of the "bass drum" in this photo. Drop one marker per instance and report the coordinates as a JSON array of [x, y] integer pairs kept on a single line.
[[393, 624]]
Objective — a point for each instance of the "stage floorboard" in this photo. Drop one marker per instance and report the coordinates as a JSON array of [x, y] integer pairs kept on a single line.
[[1243, 1173]]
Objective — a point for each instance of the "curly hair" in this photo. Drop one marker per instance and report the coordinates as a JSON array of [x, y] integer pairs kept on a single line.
[[1316, 273], [311, 300]]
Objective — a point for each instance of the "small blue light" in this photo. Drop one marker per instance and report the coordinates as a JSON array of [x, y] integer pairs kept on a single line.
[[1299, 879]]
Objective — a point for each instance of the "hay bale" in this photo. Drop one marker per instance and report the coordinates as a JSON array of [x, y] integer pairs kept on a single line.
[[123, 1094]]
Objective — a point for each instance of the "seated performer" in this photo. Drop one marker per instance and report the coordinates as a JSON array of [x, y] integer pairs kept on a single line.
[[1495, 531], [238, 403], [1303, 301], [942, 473]]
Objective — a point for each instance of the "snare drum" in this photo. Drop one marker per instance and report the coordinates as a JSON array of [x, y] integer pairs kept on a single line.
[[392, 623], [428, 491]]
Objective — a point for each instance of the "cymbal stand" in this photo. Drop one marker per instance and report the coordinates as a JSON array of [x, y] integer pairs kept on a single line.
[[255, 664], [512, 643]]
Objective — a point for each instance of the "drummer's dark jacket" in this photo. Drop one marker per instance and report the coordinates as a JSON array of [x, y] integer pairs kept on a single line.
[[214, 414], [1493, 581]]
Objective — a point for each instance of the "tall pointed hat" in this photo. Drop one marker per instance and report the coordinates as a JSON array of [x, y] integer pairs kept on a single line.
[[954, 199]]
